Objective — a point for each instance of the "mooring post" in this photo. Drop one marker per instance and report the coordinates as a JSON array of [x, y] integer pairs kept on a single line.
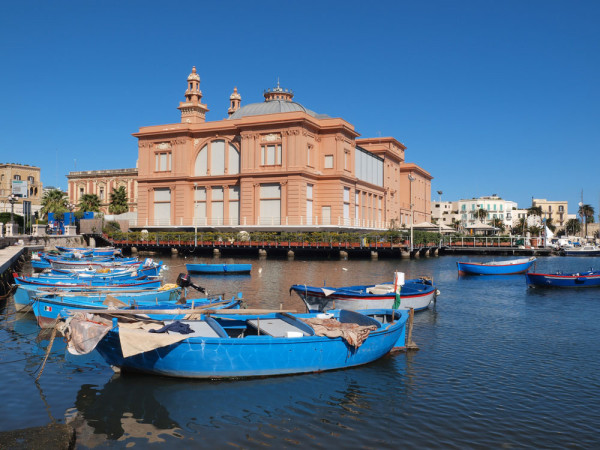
[[410, 345]]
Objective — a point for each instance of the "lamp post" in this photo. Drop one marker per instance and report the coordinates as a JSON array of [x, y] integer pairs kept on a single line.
[[12, 199], [412, 216], [440, 219], [71, 207]]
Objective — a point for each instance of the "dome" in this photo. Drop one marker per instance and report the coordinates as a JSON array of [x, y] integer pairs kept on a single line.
[[194, 76], [273, 107]]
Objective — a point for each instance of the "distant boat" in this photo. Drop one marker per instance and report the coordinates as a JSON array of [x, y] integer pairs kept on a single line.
[[584, 250], [564, 280], [417, 294], [219, 268], [251, 345], [507, 267]]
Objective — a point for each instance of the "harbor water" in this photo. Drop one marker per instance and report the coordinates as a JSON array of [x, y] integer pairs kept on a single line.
[[499, 365]]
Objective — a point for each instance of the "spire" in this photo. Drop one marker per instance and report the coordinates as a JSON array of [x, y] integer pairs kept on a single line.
[[278, 93], [235, 100], [192, 110]]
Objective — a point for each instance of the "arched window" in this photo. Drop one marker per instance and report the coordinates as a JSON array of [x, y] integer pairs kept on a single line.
[[17, 177], [31, 179], [223, 159]]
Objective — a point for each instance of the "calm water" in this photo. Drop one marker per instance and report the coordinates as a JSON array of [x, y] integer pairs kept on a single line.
[[500, 365]]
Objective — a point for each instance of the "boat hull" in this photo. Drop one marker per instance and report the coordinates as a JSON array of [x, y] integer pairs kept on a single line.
[[223, 269], [575, 280], [472, 268], [414, 295], [254, 356]]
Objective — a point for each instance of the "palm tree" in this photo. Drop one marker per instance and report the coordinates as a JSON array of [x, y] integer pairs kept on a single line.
[[535, 211], [573, 226], [89, 202], [498, 223], [521, 226], [550, 225], [480, 214], [118, 201], [54, 201], [587, 213]]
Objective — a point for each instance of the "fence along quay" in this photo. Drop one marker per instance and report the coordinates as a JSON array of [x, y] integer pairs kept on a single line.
[[319, 244]]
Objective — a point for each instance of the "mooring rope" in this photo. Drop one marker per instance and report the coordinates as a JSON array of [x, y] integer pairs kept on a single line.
[[43, 365]]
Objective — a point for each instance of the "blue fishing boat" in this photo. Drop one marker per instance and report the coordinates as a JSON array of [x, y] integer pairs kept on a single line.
[[23, 296], [222, 269], [415, 293], [96, 251], [49, 307], [82, 282], [507, 267], [587, 279], [275, 343]]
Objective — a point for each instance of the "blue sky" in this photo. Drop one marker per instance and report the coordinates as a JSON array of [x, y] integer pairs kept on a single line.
[[491, 97]]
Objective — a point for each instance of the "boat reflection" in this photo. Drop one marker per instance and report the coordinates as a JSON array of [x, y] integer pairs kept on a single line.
[[156, 409]]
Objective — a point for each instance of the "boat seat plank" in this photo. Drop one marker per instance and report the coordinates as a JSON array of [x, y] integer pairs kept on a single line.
[[275, 327], [201, 329]]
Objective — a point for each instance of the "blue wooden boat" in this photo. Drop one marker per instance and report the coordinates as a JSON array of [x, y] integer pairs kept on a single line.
[[96, 251], [564, 280], [507, 267], [416, 293], [219, 268], [49, 307], [82, 282], [23, 296], [275, 343]]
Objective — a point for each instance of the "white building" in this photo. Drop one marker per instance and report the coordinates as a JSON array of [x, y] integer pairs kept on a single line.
[[495, 207], [442, 211]]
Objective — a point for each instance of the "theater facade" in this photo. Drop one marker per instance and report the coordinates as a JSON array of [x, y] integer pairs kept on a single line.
[[273, 165]]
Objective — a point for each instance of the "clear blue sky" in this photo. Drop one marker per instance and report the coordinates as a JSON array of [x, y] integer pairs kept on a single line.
[[491, 97]]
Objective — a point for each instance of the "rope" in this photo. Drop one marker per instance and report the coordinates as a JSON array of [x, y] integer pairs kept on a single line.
[[12, 289], [48, 350]]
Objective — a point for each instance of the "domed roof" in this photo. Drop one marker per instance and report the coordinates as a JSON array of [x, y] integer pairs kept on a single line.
[[273, 107]]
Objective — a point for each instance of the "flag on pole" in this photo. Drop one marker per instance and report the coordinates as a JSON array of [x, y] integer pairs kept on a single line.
[[398, 283]]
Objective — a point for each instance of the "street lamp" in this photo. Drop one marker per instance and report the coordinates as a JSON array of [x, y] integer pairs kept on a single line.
[[12, 199], [440, 219], [71, 207], [412, 216]]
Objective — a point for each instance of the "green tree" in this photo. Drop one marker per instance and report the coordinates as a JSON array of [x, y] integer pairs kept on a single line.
[[54, 201], [498, 223], [587, 213], [480, 214], [521, 227], [573, 226], [535, 211], [118, 201], [89, 202], [550, 225]]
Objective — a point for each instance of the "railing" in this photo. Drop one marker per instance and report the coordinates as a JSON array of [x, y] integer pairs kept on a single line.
[[285, 221], [491, 241]]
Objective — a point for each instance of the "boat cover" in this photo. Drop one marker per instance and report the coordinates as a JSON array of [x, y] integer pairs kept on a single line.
[[353, 333]]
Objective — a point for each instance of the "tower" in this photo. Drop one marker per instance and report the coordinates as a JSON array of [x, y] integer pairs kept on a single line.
[[278, 93], [235, 101], [192, 110]]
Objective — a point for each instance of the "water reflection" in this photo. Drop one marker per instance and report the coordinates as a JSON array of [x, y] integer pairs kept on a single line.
[[156, 409]]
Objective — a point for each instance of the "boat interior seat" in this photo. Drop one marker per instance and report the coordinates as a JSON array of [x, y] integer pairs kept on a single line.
[[279, 327], [202, 328], [380, 289]]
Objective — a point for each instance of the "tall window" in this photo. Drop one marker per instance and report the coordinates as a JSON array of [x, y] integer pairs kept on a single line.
[[30, 179], [162, 161], [162, 206], [270, 204], [309, 204], [101, 192], [309, 156], [326, 215], [200, 206], [17, 177], [234, 205], [328, 162], [346, 206], [356, 205], [216, 206], [270, 155]]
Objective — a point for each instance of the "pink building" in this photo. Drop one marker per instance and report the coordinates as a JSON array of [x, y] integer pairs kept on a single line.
[[271, 165]]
